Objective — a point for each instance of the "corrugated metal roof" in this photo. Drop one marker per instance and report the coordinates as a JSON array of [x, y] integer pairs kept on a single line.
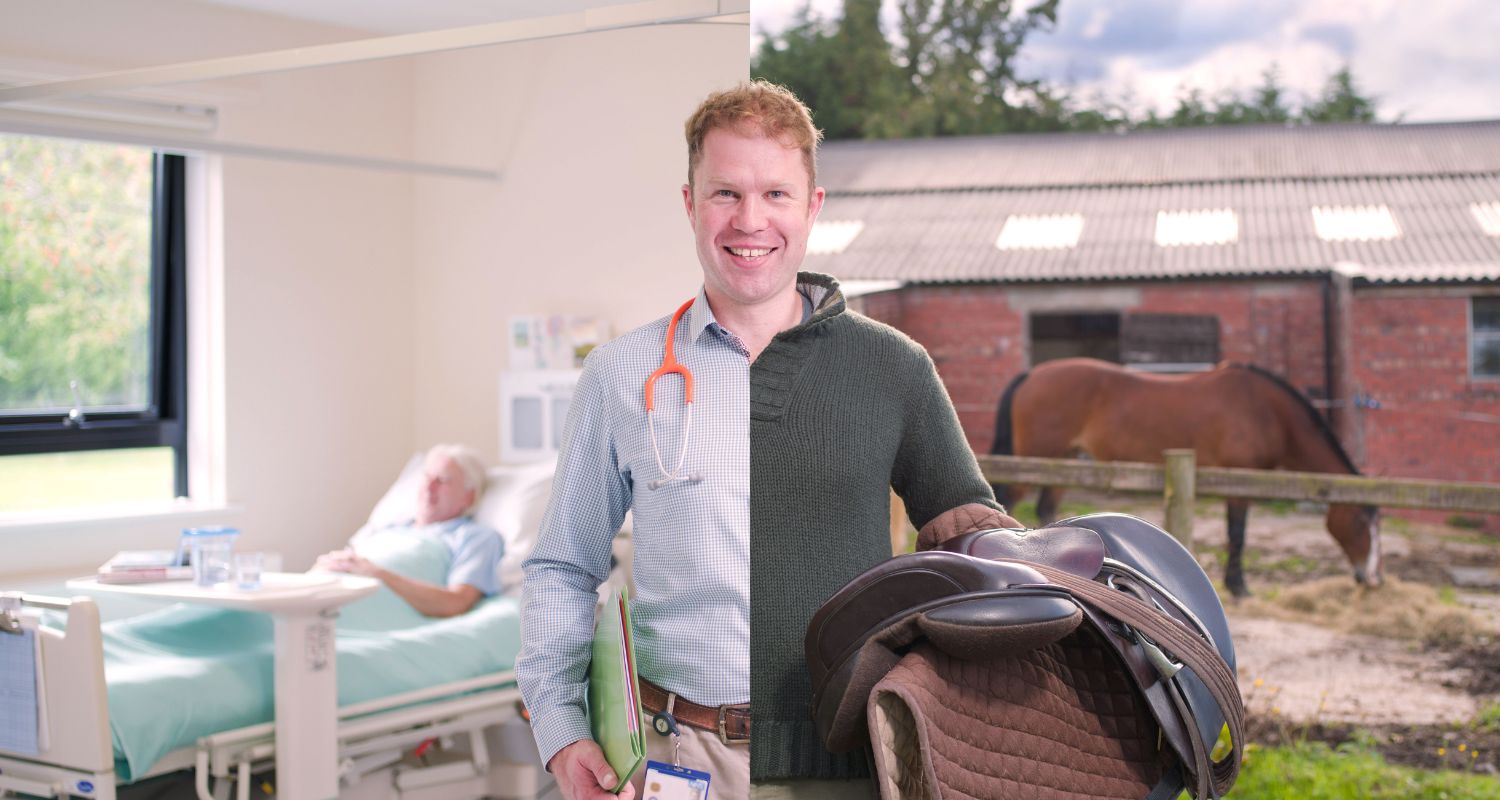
[[951, 235], [1238, 152]]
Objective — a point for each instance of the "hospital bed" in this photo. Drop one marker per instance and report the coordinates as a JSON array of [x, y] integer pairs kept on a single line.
[[469, 730]]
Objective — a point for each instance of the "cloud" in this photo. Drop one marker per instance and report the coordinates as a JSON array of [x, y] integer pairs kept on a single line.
[[1428, 59], [1337, 36]]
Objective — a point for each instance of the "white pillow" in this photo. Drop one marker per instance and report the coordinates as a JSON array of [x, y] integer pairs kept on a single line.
[[399, 503], [513, 504], [514, 500]]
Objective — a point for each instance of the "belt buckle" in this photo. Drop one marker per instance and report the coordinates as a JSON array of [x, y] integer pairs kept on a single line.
[[724, 728]]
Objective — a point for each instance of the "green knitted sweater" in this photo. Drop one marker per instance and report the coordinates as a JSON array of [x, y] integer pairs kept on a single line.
[[842, 409]]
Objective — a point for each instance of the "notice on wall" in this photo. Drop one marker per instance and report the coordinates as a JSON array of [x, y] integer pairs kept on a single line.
[[554, 342]]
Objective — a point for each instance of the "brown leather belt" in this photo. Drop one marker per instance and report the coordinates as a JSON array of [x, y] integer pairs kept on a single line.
[[731, 723]]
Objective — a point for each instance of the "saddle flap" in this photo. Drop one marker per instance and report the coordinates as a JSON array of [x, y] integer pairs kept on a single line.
[[962, 625], [985, 627], [1079, 551]]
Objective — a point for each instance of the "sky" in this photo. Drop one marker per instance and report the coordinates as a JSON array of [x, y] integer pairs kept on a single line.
[[1423, 60]]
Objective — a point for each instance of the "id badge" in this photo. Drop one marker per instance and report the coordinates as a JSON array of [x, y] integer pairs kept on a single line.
[[668, 782]]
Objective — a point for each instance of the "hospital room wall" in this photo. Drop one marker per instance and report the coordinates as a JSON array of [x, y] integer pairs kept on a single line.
[[316, 313], [364, 313], [587, 218]]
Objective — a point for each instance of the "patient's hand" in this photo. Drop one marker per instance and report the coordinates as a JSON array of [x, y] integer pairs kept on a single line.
[[346, 561], [330, 562], [359, 565]]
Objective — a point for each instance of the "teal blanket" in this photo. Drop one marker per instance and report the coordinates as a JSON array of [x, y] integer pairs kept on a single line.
[[184, 672]]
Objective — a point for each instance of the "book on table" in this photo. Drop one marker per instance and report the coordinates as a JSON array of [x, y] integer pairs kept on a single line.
[[144, 566]]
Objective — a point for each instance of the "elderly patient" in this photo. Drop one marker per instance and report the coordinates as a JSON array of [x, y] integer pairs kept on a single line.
[[451, 484]]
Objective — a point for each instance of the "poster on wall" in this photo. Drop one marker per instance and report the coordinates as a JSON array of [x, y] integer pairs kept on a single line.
[[555, 341]]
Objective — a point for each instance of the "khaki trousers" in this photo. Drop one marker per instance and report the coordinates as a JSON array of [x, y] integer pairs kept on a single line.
[[728, 765]]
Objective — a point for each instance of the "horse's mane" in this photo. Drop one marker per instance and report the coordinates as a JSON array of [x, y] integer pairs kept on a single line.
[[1312, 413]]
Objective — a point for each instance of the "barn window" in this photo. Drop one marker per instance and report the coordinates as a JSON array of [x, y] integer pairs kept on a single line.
[[1484, 347], [1092, 334], [1170, 342]]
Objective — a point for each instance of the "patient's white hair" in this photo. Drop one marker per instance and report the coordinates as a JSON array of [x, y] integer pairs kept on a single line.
[[469, 462]]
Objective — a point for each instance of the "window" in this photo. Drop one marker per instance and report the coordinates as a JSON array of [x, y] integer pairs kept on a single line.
[[92, 324], [1063, 335], [1150, 342], [1170, 342], [1484, 348]]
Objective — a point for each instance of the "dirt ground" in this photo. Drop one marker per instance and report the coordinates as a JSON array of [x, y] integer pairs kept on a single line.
[[1411, 667]]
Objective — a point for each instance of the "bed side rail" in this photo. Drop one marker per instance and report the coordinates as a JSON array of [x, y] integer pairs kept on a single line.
[[72, 700]]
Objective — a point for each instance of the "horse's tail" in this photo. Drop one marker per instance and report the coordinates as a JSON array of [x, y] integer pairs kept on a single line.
[[1004, 442]]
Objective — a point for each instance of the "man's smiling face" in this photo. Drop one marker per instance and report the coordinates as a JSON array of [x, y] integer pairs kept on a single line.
[[752, 205]]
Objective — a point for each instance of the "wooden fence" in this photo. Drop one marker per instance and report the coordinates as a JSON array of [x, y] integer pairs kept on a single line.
[[1180, 482]]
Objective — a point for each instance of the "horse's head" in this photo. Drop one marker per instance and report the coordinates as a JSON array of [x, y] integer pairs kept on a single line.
[[1357, 530]]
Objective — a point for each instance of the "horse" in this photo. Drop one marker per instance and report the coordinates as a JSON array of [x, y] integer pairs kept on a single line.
[[1237, 415]]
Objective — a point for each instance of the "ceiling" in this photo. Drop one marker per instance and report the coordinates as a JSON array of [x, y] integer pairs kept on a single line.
[[405, 16]]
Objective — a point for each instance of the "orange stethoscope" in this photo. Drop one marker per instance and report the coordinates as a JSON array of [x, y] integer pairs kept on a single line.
[[670, 365]]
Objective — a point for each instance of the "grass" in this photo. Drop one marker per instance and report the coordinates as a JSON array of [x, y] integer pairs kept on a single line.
[[1315, 770], [1278, 507], [71, 480], [1466, 522], [1255, 560], [1488, 717]]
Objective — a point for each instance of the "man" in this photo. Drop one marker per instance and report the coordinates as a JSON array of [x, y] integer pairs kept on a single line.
[[451, 484], [763, 350]]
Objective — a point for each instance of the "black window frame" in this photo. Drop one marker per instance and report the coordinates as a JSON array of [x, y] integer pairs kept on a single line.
[[163, 420], [1170, 342], [1093, 333], [1476, 334]]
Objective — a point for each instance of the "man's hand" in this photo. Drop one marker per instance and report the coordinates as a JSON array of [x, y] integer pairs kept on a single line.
[[583, 774], [959, 521]]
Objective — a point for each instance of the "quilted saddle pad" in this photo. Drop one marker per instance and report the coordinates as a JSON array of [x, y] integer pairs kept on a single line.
[[1060, 721]]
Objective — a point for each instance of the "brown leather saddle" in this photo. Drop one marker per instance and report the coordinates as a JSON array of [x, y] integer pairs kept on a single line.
[[1105, 592]]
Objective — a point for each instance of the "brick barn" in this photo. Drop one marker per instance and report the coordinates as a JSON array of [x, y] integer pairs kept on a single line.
[[1360, 262]]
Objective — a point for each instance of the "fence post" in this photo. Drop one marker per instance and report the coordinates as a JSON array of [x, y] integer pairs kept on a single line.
[[1178, 494]]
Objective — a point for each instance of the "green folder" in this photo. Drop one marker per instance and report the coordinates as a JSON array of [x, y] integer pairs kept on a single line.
[[614, 692]]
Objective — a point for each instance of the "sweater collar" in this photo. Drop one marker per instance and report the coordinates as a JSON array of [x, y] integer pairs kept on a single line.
[[776, 370], [827, 302]]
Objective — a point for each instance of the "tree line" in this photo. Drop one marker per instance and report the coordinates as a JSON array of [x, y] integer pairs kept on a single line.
[[950, 68], [75, 272]]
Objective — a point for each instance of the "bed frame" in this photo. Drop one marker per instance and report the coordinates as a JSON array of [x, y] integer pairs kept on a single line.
[[477, 743]]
